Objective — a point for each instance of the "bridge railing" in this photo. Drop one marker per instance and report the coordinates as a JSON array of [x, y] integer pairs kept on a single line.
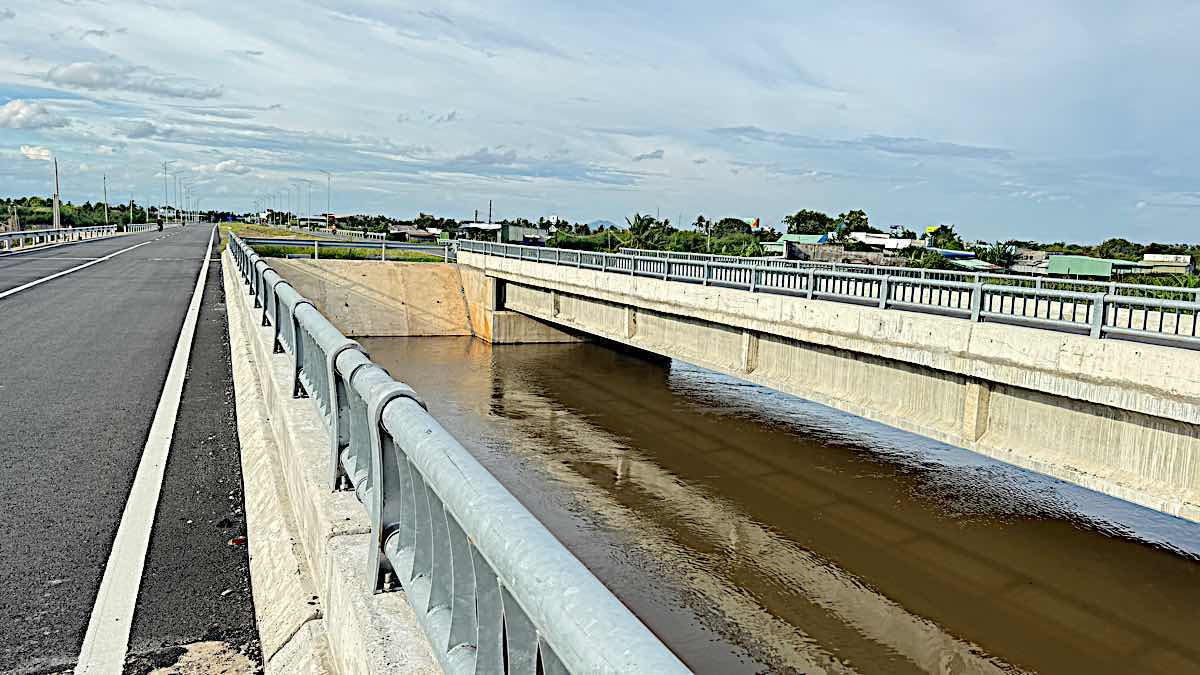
[[1096, 309], [446, 252], [488, 582], [11, 240], [1080, 285]]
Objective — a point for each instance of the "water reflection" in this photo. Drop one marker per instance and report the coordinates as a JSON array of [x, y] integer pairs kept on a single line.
[[755, 531]]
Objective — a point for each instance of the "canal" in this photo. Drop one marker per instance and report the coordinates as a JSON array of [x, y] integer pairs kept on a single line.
[[757, 532]]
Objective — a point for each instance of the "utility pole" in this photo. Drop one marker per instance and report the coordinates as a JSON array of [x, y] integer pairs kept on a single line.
[[489, 212], [105, 176]]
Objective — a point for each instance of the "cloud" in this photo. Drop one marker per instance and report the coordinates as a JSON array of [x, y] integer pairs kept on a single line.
[[247, 54], [101, 32], [20, 114], [115, 77], [141, 129], [105, 150], [700, 160], [447, 118], [890, 144], [229, 166], [657, 154], [7, 14], [36, 152], [1172, 200]]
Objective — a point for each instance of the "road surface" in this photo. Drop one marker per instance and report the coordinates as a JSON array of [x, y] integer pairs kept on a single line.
[[83, 373]]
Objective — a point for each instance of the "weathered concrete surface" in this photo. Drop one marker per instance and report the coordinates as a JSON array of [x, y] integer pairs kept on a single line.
[[362, 632], [490, 322], [1118, 417], [382, 299]]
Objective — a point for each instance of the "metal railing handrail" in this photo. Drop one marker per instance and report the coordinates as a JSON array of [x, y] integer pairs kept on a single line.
[[488, 582], [446, 252], [54, 234], [1113, 287], [1101, 313]]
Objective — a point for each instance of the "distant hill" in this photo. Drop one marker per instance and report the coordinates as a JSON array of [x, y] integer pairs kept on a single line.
[[608, 224]]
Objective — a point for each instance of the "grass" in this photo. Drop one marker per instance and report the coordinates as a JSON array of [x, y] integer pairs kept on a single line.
[[345, 253], [252, 230]]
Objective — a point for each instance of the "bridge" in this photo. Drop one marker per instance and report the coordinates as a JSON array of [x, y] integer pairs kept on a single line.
[[1015, 372], [242, 470]]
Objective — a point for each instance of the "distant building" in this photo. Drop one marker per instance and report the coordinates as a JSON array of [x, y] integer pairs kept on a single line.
[[1084, 267], [788, 245], [888, 243], [1161, 263]]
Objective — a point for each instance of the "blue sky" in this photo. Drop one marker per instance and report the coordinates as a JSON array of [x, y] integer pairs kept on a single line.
[[1053, 120]]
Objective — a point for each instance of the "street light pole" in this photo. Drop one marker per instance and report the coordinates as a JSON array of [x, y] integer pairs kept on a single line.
[[328, 200], [105, 176]]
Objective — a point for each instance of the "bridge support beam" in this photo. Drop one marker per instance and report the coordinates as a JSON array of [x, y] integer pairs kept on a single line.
[[976, 404]]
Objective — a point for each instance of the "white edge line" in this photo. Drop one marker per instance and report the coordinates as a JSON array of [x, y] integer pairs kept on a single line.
[[107, 637], [97, 261]]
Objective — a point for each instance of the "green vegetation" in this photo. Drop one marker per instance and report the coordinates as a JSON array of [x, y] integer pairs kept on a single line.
[[38, 213], [344, 253]]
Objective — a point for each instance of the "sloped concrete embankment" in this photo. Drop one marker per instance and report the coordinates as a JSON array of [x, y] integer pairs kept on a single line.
[[308, 545]]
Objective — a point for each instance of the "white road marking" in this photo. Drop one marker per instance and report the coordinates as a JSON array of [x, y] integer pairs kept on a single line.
[[107, 637], [37, 282]]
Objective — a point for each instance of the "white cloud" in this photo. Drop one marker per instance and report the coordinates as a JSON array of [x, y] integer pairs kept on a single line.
[[229, 166], [114, 77], [20, 114], [6, 14], [36, 152], [105, 150]]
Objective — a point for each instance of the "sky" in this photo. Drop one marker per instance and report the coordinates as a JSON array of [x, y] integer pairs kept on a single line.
[[1052, 121]]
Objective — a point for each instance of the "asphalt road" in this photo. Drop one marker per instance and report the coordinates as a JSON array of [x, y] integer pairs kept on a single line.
[[84, 359]]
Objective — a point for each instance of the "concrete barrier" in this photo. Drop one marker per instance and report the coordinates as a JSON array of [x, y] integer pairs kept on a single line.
[[308, 546], [1119, 417]]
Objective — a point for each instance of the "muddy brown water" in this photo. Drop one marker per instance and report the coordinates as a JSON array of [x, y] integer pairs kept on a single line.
[[757, 532]]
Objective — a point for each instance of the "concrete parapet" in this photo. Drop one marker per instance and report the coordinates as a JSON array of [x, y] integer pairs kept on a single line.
[[314, 608], [1119, 417]]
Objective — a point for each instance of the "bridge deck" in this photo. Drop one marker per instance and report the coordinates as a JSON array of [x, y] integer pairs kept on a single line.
[[86, 357]]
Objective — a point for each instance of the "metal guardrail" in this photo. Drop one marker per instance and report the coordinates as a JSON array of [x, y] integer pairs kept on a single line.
[[1103, 310], [494, 591], [445, 252], [1025, 281], [12, 240]]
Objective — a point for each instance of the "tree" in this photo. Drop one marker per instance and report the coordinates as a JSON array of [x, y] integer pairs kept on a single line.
[[806, 221], [945, 237], [645, 232], [730, 226], [902, 232], [854, 221], [1120, 249], [1002, 253]]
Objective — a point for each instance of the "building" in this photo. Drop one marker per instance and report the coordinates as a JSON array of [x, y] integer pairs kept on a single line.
[[886, 242], [1031, 261], [1084, 267], [1161, 263], [788, 245]]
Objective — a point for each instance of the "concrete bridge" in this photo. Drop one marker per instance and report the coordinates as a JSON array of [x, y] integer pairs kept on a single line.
[[1114, 415]]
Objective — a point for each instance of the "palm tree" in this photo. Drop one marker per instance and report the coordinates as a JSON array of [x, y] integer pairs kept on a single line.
[[645, 232]]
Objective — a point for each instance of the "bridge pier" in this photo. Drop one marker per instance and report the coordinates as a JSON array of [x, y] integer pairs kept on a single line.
[[976, 403]]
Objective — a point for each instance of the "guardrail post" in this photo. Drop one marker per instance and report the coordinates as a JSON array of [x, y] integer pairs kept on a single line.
[[1098, 315], [976, 300], [706, 272], [383, 251], [883, 292], [316, 249], [809, 280], [753, 279]]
